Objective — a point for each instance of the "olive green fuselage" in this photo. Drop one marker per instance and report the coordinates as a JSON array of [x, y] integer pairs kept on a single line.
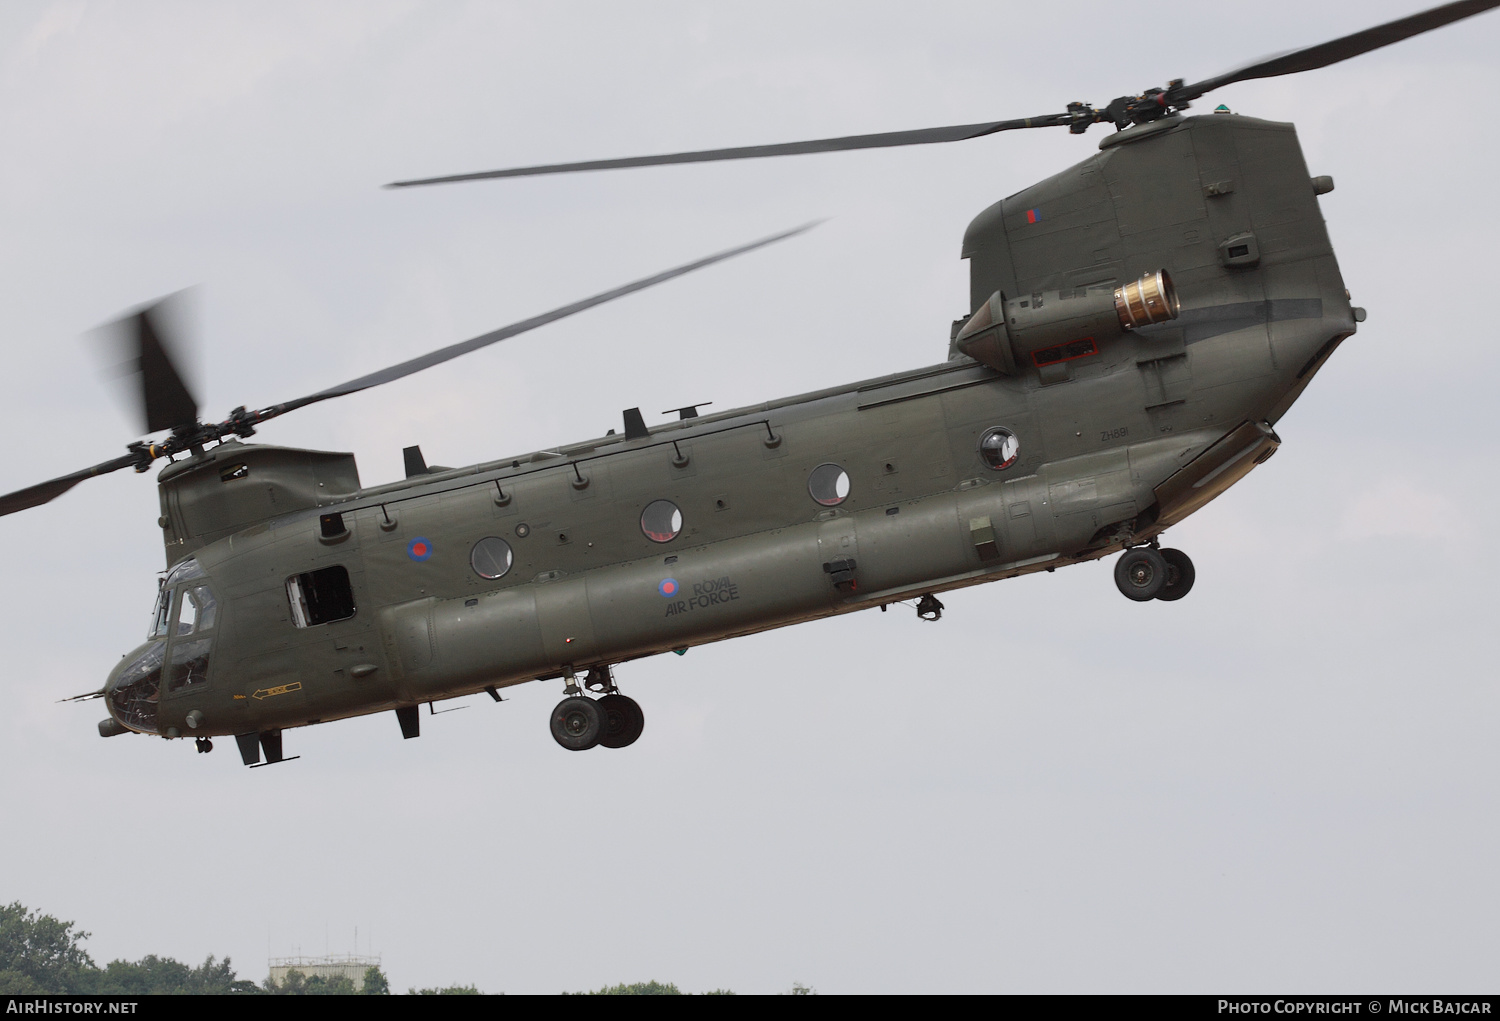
[[1112, 447]]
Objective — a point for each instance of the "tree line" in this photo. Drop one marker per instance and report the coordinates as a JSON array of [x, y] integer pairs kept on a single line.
[[40, 954]]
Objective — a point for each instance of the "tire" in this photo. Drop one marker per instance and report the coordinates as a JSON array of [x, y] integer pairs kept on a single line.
[[1180, 575], [1140, 573], [623, 721], [577, 723]]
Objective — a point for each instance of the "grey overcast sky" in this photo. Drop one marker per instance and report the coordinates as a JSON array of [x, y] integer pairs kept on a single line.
[[1287, 781]]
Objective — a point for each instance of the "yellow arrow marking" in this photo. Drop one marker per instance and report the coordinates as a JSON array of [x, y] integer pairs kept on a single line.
[[280, 689]]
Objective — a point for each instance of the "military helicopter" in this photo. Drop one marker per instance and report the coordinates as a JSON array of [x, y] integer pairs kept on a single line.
[[1140, 322]]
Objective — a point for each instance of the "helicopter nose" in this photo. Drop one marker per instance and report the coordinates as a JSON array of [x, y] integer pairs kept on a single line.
[[133, 691], [111, 726]]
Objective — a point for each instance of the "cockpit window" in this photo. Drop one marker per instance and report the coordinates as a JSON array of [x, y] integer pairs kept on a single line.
[[186, 570], [196, 610], [161, 618], [136, 693], [189, 664], [159, 615]]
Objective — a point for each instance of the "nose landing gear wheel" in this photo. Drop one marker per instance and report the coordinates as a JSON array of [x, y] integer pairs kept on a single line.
[[623, 721], [577, 723], [1180, 575], [1140, 573]]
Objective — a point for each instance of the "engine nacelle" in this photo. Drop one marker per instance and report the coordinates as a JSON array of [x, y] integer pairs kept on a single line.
[[1048, 327]]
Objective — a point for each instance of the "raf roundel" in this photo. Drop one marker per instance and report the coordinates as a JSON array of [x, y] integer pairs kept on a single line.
[[419, 548], [668, 587]]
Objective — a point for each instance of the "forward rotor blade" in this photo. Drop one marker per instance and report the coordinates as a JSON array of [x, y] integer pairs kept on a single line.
[[142, 351], [886, 139], [1323, 54], [165, 398], [84, 697], [452, 351], [43, 492]]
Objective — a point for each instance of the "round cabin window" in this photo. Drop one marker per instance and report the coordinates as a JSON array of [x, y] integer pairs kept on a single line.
[[491, 557], [999, 448], [661, 521], [828, 484]]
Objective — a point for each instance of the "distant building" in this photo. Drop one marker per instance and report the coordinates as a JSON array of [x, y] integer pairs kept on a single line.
[[350, 966]]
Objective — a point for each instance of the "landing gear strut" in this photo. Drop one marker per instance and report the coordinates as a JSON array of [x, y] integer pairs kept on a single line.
[[600, 679], [928, 607], [613, 720]]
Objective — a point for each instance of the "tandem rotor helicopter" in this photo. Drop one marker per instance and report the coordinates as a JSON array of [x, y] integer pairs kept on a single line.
[[1139, 323]]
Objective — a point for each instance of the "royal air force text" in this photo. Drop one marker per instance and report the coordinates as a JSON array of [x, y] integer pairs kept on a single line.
[[707, 593]]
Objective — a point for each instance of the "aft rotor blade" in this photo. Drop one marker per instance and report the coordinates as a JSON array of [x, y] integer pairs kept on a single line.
[[43, 492], [1311, 57], [452, 351], [882, 140]]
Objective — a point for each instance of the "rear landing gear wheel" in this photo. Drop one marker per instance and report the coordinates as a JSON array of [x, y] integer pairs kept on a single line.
[[204, 744], [1140, 573], [577, 723], [623, 721], [1180, 575]]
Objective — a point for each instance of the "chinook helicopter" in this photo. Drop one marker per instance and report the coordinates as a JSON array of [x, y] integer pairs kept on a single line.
[[1140, 322]]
